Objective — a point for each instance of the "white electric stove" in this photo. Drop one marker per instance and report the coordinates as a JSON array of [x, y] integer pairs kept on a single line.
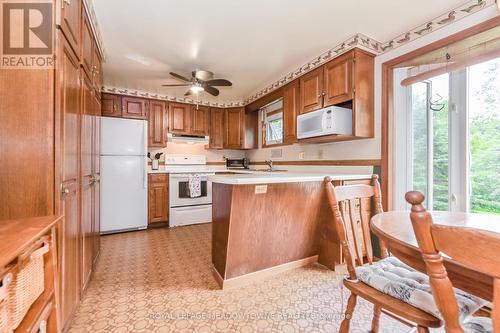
[[185, 210]]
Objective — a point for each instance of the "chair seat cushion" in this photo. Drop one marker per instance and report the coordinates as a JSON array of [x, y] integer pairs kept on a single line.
[[478, 325], [400, 281]]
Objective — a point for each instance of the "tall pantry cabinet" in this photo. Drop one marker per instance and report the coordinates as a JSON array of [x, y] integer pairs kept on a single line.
[[49, 140]]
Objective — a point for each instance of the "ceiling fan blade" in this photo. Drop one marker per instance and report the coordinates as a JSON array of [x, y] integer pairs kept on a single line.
[[180, 77], [176, 85], [189, 92], [219, 82], [211, 90]]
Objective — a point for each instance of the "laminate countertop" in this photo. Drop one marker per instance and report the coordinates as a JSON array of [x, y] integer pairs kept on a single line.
[[265, 177]]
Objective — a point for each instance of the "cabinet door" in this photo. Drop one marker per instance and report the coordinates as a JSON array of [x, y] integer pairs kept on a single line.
[[69, 18], [339, 80], [179, 118], [96, 167], [87, 47], [311, 91], [68, 106], [86, 175], [216, 128], [97, 69], [111, 105], [199, 119], [234, 128], [135, 108], [158, 198], [157, 124], [290, 106]]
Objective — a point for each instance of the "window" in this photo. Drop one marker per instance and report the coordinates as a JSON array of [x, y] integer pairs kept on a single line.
[[452, 131], [272, 120]]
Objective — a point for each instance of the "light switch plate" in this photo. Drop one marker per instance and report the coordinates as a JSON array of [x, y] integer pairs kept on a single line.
[[260, 189], [301, 155]]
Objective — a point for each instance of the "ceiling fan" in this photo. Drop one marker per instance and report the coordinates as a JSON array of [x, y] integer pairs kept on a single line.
[[200, 81]]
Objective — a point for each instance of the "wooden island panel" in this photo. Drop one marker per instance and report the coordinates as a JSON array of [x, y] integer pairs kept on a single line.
[[257, 231]]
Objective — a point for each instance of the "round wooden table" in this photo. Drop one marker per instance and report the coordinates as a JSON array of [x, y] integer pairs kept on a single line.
[[395, 229]]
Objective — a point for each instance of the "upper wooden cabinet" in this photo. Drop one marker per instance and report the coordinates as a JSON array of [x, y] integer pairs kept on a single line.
[[348, 81], [97, 69], [338, 80], [311, 91], [87, 47], [290, 108], [179, 118], [200, 116], [68, 19], [135, 108], [240, 129], [216, 128], [157, 124], [111, 105]]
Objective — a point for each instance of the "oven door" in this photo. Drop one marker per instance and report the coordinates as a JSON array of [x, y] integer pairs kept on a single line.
[[179, 191]]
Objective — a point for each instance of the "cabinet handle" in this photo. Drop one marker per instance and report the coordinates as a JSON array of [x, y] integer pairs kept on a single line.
[[67, 2]]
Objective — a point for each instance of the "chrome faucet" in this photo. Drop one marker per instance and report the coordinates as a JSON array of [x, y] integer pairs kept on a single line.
[[270, 165]]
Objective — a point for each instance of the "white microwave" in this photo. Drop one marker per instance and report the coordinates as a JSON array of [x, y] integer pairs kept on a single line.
[[328, 121]]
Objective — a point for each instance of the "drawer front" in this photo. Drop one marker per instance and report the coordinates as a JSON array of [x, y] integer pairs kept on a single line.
[[158, 178]]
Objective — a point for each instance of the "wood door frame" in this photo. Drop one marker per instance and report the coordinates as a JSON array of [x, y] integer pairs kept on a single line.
[[387, 98]]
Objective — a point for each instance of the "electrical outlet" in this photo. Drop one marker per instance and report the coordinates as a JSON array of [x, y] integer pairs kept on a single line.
[[301, 155]]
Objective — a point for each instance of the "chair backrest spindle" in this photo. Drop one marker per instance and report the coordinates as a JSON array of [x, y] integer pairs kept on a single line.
[[352, 209]]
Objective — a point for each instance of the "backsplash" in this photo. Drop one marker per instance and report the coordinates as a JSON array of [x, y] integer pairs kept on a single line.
[[196, 149]]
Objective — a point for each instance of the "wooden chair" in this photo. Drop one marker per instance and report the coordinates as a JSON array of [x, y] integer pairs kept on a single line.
[[350, 204], [471, 247]]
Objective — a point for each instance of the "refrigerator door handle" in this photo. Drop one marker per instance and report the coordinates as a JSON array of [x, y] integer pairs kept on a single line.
[[145, 144]]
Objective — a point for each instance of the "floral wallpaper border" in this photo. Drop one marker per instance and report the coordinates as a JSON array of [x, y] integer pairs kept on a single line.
[[358, 40]]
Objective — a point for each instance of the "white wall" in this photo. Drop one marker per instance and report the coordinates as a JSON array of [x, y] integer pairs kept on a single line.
[[370, 148]]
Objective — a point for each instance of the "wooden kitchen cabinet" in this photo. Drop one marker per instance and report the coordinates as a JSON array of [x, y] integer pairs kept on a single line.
[[216, 128], [97, 70], [134, 108], [338, 80], [240, 128], [311, 91], [157, 124], [87, 47], [346, 81], [290, 108], [68, 108], [158, 201], [179, 118], [111, 105], [68, 18], [200, 118]]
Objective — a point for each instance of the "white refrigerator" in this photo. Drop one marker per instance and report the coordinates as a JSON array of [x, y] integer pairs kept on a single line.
[[123, 174]]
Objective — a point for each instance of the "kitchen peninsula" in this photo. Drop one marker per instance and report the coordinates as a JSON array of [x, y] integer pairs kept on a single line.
[[265, 223]]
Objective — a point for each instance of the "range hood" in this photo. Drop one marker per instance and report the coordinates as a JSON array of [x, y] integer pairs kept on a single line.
[[189, 139]]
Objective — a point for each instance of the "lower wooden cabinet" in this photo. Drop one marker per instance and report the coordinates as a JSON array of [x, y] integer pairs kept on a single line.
[[158, 202]]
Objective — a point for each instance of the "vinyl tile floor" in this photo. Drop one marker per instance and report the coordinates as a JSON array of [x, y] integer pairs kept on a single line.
[[160, 280]]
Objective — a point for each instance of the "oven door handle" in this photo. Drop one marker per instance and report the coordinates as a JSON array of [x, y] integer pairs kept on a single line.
[[191, 208]]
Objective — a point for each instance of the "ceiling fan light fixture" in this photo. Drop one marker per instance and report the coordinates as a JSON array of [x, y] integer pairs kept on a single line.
[[196, 89]]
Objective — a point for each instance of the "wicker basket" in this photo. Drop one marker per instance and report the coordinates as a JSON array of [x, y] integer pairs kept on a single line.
[[27, 285], [4, 303]]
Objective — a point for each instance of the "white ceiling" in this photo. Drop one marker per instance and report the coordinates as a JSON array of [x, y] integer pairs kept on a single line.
[[250, 42]]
